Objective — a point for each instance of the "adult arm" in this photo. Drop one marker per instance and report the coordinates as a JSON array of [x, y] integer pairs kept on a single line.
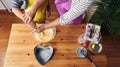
[[75, 11], [47, 25]]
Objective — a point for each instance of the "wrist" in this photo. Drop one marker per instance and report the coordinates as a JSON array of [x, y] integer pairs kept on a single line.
[[32, 10]]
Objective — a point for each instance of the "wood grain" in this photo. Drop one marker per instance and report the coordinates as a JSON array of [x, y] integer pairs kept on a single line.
[[21, 45], [111, 46]]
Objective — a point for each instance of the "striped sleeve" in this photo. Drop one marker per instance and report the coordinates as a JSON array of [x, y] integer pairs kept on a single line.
[[17, 3], [75, 11]]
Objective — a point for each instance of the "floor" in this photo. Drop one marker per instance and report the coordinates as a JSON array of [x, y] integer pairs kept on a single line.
[[111, 46]]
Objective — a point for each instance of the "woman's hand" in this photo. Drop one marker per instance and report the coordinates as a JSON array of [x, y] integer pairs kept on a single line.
[[47, 25]]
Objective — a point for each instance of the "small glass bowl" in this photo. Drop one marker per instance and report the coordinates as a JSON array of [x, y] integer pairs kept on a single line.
[[95, 47], [81, 39]]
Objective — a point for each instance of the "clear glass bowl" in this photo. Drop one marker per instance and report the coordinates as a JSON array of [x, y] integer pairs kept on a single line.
[[45, 36]]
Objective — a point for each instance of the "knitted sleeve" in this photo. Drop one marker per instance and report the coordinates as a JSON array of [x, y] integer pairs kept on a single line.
[[78, 7]]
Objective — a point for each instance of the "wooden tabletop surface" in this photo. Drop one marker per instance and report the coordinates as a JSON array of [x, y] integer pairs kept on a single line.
[[20, 51]]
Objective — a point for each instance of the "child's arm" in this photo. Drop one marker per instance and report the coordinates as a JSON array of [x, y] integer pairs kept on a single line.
[[19, 13], [16, 8], [31, 13]]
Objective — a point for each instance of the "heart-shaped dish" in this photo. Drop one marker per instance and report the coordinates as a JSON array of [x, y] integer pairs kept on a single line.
[[43, 54]]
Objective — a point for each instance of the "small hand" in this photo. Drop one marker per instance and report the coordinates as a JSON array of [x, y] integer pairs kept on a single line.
[[39, 29], [27, 17], [33, 25]]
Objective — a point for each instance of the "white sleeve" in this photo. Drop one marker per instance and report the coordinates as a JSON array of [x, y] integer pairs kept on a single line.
[[75, 11]]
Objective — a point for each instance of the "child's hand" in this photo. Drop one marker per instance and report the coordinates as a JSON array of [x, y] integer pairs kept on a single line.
[[39, 29], [32, 25], [28, 17]]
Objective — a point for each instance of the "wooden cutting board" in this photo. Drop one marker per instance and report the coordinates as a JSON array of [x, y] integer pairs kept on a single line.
[[20, 51]]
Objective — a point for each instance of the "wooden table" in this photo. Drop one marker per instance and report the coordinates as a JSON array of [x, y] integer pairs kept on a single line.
[[21, 45]]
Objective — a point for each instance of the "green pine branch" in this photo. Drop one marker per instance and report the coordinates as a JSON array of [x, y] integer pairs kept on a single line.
[[108, 16]]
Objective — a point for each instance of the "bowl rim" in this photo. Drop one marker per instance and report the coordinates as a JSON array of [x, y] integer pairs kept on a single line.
[[100, 49], [53, 35], [42, 59]]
